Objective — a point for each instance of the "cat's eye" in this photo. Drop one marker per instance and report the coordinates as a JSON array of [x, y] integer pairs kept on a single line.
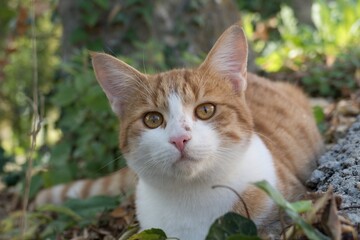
[[205, 111], [153, 119]]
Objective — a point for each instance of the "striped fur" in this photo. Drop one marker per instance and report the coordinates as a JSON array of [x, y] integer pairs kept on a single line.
[[251, 113], [119, 183]]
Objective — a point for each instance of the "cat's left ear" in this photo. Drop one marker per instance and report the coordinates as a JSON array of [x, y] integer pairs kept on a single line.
[[117, 79], [228, 57]]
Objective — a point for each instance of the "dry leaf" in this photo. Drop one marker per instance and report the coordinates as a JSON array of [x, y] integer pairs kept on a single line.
[[330, 219]]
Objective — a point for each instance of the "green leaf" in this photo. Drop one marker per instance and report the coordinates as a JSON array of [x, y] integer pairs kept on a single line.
[[36, 184], [54, 227], [63, 210], [104, 4], [65, 95], [88, 208], [243, 237], [229, 224], [78, 35], [319, 114], [274, 195], [150, 234], [91, 19], [52, 177], [60, 154], [302, 206]]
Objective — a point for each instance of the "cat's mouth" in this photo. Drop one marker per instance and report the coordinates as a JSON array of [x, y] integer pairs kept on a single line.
[[185, 158]]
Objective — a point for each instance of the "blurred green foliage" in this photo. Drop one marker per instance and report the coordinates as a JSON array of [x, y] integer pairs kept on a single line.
[[327, 55], [16, 82], [50, 221], [98, 16], [265, 9], [89, 143], [7, 14], [17, 73]]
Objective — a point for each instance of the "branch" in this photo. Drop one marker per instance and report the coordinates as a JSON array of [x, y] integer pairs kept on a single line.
[[237, 194]]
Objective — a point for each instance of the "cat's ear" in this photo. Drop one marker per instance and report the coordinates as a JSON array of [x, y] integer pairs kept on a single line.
[[228, 57], [116, 78]]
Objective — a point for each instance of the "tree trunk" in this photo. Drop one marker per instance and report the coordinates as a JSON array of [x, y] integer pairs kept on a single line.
[[302, 10]]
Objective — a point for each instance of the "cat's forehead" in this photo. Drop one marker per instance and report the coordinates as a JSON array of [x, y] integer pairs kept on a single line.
[[190, 85], [177, 80], [183, 83]]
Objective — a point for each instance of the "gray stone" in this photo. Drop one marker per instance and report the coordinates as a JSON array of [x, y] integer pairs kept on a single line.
[[340, 168]]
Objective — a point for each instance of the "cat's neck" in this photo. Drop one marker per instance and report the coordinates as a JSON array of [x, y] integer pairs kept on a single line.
[[250, 164]]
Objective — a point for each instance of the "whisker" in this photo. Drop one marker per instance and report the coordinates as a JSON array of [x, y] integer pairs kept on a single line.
[[110, 162]]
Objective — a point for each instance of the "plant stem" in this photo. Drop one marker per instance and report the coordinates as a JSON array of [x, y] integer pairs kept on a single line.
[[36, 123]]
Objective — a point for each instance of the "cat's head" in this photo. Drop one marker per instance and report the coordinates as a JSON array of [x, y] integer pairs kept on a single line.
[[182, 124]]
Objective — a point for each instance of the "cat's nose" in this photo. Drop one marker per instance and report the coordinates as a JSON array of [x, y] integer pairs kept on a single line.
[[180, 141]]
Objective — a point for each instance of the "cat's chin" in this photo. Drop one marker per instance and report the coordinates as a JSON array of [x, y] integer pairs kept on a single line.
[[187, 167]]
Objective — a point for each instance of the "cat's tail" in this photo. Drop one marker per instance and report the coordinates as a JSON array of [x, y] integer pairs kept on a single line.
[[120, 182]]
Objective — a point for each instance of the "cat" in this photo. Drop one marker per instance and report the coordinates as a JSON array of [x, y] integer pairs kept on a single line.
[[185, 130]]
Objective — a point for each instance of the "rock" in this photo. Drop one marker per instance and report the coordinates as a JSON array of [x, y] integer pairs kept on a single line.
[[340, 167]]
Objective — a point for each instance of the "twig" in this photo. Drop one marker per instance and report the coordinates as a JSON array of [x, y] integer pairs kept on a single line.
[[237, 194], [283, 227], [282, 222], [350, 207], [36, 123]]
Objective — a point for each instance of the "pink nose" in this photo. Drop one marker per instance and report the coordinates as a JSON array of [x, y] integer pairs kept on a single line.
[[180, 141]]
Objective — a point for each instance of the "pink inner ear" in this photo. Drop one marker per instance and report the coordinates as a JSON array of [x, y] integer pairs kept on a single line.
[[238, 81], [234, 69]]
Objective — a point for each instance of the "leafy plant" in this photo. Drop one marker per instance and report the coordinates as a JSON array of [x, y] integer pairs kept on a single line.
[[48, 221], [265, 9], [335, 30], [89, 144], [323, 58]]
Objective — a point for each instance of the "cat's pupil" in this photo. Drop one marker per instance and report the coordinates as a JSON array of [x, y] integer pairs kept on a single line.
[[153, 119], [205, 111]]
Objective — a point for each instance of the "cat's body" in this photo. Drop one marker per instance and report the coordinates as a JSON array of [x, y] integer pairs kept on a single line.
[[184, 131]]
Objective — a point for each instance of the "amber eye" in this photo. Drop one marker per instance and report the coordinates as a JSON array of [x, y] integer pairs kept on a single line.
[[205, 111], [153, 119]]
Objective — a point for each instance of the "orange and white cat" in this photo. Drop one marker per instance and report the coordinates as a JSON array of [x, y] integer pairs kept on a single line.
[[186, 130]]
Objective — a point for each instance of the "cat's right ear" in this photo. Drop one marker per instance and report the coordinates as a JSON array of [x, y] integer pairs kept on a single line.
[[228, 57], [116, 78]]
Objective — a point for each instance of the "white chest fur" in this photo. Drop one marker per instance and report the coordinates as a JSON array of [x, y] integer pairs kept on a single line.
[[186, 211]]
